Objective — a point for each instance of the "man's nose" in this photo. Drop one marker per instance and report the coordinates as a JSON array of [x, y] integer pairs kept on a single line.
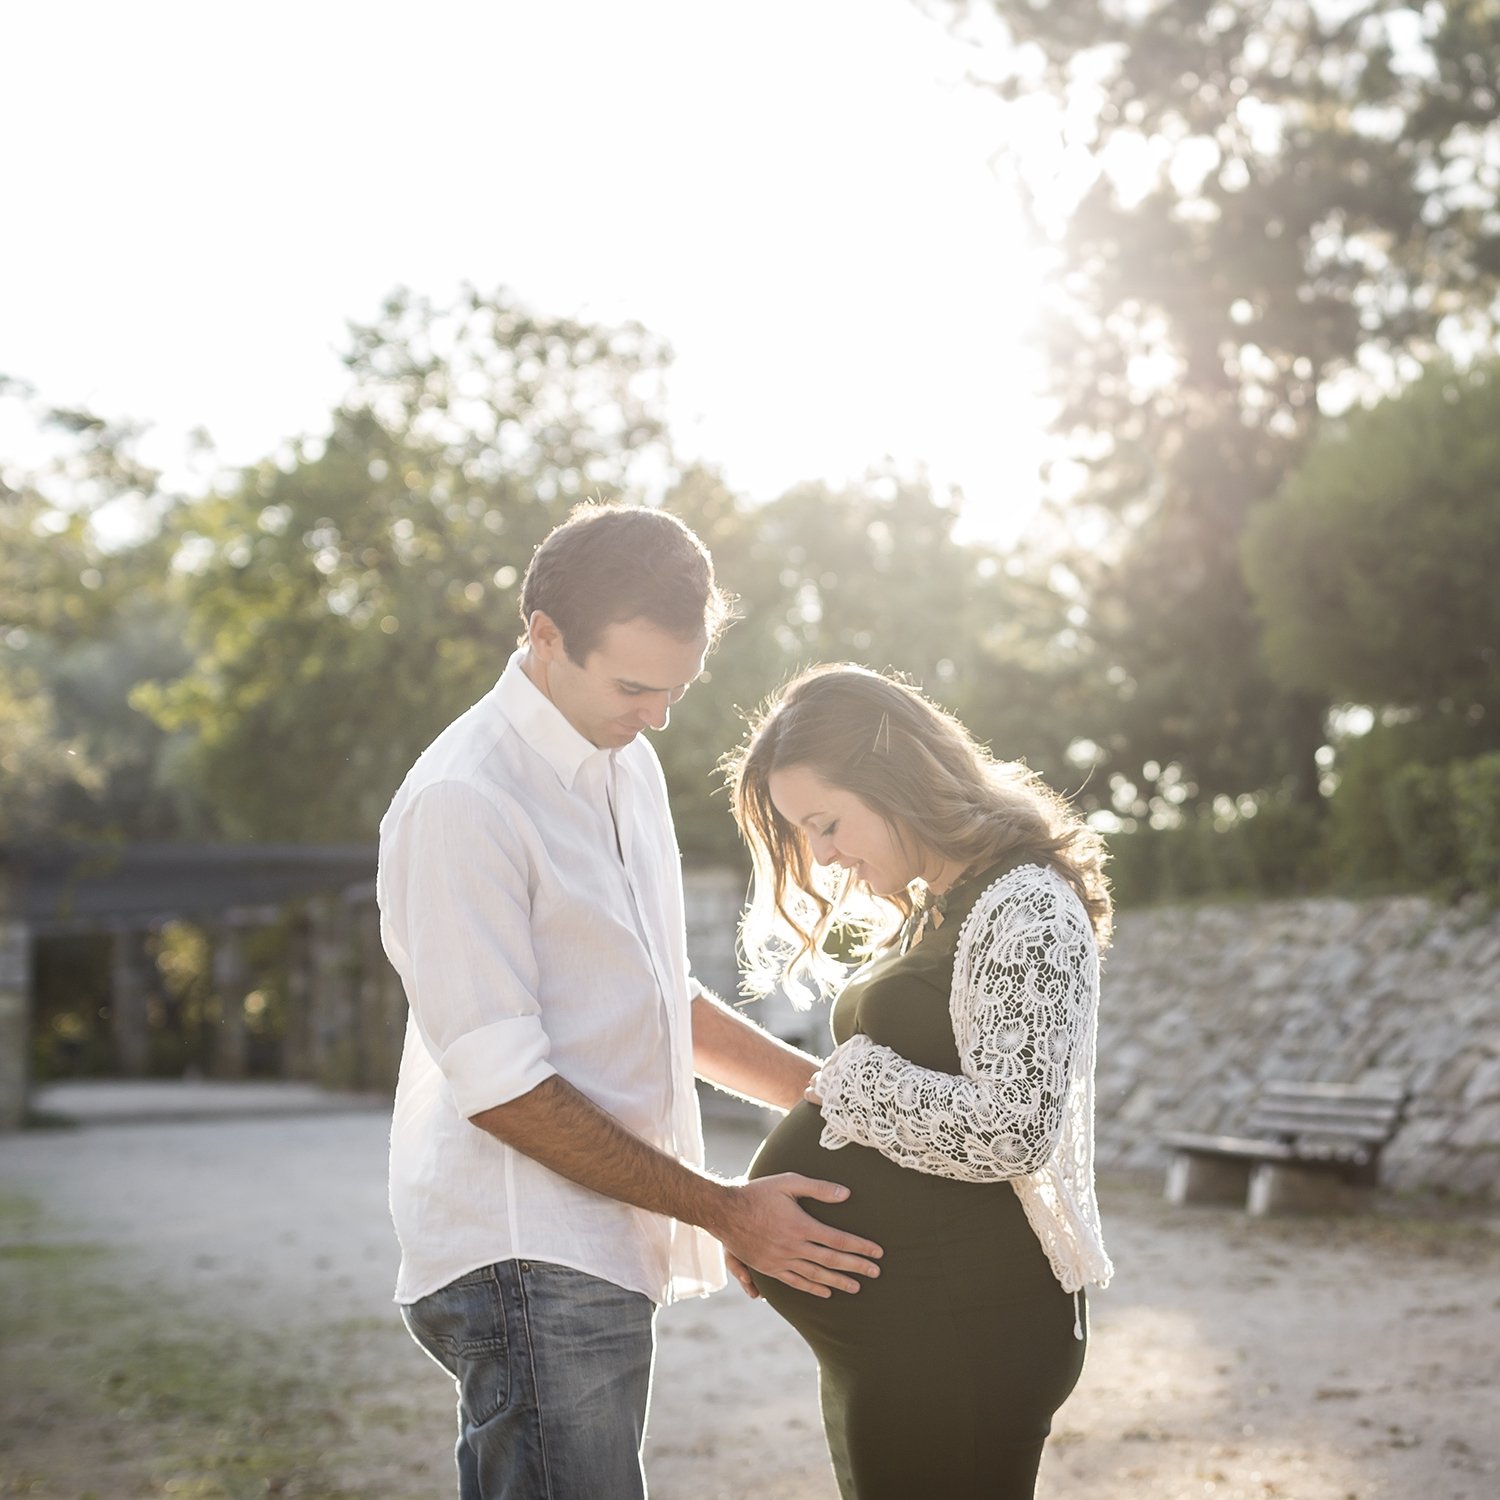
[[656, 712]]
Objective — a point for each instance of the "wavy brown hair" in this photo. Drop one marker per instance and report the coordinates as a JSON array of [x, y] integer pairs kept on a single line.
[[941, 793]]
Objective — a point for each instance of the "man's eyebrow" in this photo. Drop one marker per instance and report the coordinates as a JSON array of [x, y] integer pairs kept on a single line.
[[640, 687]]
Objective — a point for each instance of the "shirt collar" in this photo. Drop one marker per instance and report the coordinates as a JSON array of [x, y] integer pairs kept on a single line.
[[541, 724]]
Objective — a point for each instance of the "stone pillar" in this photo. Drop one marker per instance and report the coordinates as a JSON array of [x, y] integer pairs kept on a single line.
[[231, 985], [298, 1046], [713, 898], [129, 1002], [1280, 1188], [15, 1018], [335, 1031], [383, 1008], [380, 1041], [1208, 1179]]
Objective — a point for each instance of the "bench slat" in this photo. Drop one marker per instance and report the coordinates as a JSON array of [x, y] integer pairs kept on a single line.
[[1333, 1127], [1298, 1125], [1381, 1092], [1330, 1151], [1227, 1145], [1380, 1112]]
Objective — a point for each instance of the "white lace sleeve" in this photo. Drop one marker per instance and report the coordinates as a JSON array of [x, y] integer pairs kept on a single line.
[[1025, 988]]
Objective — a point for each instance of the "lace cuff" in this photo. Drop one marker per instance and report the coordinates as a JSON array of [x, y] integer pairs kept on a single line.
[[933, 1122], [1021, 1005]]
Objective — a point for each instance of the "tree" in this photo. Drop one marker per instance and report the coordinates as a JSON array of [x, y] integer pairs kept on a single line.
[[1376, 568], [346, 604], [1285, 204], [80, 622], [870, 572]]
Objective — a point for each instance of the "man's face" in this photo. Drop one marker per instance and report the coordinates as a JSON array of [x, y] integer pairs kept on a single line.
[[627, 683]]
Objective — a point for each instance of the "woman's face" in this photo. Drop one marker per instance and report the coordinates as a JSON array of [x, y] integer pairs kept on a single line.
[[842, 830]]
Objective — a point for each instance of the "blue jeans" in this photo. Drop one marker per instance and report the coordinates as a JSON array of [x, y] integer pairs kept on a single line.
[[553, 1369]]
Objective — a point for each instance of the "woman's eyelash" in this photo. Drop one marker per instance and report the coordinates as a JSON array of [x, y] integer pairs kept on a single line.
[[832, 828]]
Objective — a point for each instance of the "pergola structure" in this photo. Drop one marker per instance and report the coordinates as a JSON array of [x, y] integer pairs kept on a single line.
[[128, 890], [346, 1012]]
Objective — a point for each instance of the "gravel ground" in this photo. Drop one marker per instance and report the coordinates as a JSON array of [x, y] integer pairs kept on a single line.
[[196, 1303]]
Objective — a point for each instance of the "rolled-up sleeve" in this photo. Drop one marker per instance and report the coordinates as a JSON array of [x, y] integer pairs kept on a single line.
[[472, 975]]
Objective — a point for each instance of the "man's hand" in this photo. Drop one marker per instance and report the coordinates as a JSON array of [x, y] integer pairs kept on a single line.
[[761, 1224], [741, 1273]]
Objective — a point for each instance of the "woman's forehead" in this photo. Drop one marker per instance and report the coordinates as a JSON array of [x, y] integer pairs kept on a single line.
[[799, 793]]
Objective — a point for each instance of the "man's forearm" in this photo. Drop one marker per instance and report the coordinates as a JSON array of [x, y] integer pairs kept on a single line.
[[569, 1134], [746, 1059], [761, 1223]]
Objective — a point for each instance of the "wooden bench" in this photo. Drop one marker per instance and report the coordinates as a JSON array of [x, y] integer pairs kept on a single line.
[[1313, 1146]]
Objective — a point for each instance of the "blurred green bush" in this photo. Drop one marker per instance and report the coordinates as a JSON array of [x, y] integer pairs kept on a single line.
[[1391, 824]]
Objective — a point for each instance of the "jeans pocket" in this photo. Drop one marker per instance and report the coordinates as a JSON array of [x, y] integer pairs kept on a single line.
[[463, 1326]]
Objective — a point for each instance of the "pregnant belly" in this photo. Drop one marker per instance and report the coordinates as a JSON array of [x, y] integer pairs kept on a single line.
[[941, 1238]]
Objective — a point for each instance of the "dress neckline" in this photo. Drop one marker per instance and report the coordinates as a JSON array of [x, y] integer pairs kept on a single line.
[[933, 915]]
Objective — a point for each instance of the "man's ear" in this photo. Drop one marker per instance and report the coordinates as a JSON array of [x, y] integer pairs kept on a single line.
[[543, 636]]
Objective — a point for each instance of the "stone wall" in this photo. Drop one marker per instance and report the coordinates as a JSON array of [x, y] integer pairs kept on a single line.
[[15, 1019], [712, 897], [1202, 1004]]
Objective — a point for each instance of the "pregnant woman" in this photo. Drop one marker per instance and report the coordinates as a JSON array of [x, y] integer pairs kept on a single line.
[[957, 1104]]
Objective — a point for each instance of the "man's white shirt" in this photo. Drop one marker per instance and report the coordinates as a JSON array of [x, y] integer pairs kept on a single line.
[[531, 942]]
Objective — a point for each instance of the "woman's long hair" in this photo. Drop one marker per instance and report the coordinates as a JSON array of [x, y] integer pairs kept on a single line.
[[941, 793]]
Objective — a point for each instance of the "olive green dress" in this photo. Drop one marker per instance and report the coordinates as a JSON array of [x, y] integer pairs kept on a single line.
[[938, 1378]]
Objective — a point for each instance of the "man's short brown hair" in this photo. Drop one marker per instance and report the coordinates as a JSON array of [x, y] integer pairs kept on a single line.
[[610, 563]]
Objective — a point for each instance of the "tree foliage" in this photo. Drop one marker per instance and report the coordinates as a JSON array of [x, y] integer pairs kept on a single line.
[[349, 601], [1376, 568], [1284, 204], [870, 572], [80, 621]]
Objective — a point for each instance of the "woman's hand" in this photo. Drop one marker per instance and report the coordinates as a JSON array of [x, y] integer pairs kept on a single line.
[[813, 1093]]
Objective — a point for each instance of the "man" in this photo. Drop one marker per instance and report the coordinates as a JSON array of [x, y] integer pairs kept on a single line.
[[546, 1150]]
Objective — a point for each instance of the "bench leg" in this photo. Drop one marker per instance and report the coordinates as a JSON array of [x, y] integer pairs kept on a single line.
[[1207, 1179], [1276, 1188]]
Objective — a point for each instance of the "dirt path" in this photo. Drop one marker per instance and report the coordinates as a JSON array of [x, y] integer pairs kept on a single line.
[[201, 1309]]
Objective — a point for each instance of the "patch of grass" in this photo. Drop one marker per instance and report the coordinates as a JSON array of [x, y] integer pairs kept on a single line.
[[1423, 1226], [1465, 1240], [18, 1212], [354, 1327], [49, 1254], [197, 1410]]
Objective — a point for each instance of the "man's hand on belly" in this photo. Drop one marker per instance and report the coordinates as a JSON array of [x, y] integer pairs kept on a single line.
[[759, 1222], [762, 1224]]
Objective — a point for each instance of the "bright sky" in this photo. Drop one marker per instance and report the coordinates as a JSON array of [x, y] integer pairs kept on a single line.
[[796, 193]]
